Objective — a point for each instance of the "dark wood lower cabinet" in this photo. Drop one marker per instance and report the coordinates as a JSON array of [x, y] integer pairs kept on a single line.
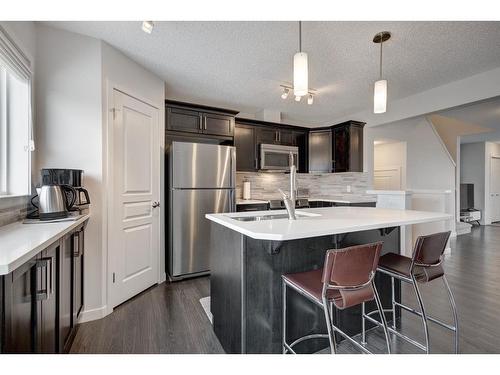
[[19, 334], [41, 299]]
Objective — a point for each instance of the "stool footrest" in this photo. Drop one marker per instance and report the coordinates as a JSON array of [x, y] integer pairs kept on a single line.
[[390, 329], [430, 318]]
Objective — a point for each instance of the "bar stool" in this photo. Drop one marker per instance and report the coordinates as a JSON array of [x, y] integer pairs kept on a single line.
[[422, 267], [346, 280]]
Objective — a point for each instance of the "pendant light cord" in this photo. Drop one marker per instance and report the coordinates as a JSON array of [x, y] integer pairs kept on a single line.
[[381, 44], [300, 36]]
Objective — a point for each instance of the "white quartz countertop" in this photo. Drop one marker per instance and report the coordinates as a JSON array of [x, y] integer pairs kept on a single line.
[[20, 242], [333, 199], [323, 221]]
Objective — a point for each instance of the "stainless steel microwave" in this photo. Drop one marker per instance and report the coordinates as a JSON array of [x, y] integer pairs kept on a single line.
[[275, 158]]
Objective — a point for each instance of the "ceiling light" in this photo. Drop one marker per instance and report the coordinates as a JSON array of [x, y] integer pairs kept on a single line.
[[380, 87], [310, 99], [300, 69], [286, 91], [147, 26], [297, 98]]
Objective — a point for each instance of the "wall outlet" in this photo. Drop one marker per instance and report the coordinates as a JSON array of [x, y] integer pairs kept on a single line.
[[348, 188]]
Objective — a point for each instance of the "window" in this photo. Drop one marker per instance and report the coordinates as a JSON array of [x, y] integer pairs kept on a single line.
[[15, 120]]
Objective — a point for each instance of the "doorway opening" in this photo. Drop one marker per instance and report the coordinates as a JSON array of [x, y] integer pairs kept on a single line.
[[389, 164]]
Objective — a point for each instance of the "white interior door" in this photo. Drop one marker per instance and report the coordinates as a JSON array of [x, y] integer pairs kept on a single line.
[[387, 179], [134, 240], [495, 189]]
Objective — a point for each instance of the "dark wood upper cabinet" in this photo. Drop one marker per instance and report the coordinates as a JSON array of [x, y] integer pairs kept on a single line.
[[246, 150], [218, 124], [184, 120], [347, 141], [199, 119], [287, 137], [266, 135]]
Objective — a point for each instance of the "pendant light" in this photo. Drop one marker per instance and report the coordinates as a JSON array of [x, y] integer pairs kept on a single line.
[[300, 69], [380, 87]]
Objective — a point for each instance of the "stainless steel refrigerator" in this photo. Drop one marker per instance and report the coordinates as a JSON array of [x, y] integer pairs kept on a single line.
[[201, 180]]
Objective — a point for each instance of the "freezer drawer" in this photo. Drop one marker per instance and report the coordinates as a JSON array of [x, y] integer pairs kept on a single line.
[[190, 230], [199, 165]]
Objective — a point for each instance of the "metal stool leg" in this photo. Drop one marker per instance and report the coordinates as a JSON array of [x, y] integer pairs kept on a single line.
[[331, 334], [283, 335], [454, 309], [393, 300], [363, 324], [422, 309], [382, 317]]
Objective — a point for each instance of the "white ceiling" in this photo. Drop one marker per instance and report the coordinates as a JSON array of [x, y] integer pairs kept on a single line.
[[240, 65], [485, 113]]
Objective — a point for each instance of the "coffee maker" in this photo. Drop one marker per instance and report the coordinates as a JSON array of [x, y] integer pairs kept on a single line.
[[69, 177]]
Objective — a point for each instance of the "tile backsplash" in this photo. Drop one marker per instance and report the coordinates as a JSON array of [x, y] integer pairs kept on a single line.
[[265, 185], [15, 210]]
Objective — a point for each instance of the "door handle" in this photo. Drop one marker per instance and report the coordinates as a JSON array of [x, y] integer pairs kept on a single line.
[[156, 204]]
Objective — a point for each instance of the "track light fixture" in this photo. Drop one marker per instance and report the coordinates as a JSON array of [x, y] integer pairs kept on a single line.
[[286, 91], [310, 99], [147, 26]]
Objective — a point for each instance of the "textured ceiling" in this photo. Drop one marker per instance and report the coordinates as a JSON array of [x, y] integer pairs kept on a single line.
[[240, 65]]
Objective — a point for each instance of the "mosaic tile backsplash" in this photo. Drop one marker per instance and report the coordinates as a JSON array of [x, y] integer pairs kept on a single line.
[[266, 185]]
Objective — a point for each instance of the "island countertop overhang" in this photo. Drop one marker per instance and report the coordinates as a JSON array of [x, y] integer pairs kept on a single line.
[[326, 221]]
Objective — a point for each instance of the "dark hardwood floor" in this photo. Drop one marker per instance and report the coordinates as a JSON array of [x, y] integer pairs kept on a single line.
[[168, 318]]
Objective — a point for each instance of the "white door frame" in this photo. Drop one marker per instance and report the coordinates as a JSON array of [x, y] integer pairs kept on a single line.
[[108, 184]]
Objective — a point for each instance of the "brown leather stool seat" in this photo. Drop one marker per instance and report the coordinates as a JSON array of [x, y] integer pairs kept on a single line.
[[401, 265], [310, 283], [346, 280]]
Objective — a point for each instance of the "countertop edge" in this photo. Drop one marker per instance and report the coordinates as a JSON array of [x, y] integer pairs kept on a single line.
[[280, 237], [5, 269]]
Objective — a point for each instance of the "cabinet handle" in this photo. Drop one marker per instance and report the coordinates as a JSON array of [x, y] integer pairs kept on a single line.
[[43, 294], [201, 123], [76, 245], [256, 163], [205, 122]]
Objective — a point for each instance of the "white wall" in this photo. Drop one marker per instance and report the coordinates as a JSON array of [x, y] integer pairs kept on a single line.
[[391, 155], [472, 171], [69, 128], [428, 164]]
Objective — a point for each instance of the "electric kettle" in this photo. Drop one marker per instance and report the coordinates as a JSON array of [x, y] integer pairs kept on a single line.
[[53, 202]]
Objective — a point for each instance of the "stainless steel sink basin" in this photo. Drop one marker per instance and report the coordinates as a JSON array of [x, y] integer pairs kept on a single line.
[[271, 217]]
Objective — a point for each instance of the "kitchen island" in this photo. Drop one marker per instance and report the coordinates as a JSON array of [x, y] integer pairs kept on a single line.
[[250, 251]]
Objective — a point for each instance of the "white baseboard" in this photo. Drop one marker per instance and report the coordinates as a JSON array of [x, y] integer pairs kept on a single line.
[[163, 278], [93, 314]]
